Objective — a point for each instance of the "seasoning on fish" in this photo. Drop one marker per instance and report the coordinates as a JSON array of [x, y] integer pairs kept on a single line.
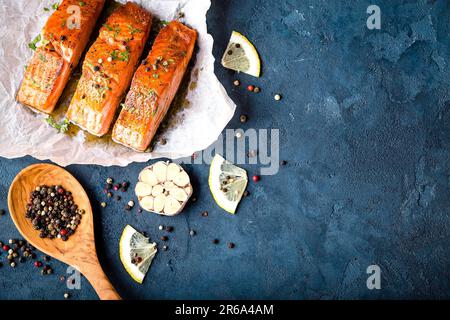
[[102, 86], [153, 88], [62, 44]]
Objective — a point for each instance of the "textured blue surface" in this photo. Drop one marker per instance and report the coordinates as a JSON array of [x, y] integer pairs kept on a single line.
[[365, 127]]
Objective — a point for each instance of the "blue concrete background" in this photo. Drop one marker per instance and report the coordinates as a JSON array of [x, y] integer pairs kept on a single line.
[[365, 128]]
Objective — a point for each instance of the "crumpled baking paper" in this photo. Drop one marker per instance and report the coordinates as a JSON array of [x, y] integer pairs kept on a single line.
[[23, 132]]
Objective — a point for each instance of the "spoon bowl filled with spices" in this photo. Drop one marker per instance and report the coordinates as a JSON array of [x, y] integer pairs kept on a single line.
[[53, 213]]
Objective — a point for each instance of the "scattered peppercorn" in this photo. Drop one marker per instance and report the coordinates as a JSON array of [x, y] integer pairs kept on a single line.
[[164, 238], [215, 241], [283, 162], [118, 198], [63, 38], [231, 245], [128, 207], [2, 212], [96, 68], [169, 228], [246, 193]]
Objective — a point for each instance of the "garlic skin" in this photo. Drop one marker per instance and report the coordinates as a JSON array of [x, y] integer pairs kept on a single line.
[[163, 188]]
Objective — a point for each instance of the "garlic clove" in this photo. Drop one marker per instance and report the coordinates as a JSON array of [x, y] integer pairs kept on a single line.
[[149, 177], [160, 170], [142, 189], [159, 202], [172, 171], [157, 190], [179, 194], [181, 179], [147, 203]]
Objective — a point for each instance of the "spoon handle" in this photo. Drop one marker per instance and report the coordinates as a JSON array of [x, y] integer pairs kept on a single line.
[[100, 282]]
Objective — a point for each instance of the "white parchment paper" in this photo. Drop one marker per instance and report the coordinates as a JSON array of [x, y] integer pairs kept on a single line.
[[23, 132]]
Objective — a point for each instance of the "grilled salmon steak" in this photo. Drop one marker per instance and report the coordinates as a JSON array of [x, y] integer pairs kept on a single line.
[[63, 40], [154, 86], [108, 68]]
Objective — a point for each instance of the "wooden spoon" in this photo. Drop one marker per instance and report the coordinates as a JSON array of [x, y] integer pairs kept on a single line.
[[79, 250]]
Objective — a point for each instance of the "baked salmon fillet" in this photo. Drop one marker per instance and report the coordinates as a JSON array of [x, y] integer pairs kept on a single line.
[[63, 40], [108, 68], [154, 86]]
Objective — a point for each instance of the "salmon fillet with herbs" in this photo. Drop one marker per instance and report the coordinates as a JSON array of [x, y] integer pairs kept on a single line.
[[108, 68], [154, 86], [63, 40]]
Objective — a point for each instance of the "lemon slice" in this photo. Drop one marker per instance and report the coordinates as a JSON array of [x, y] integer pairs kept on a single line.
[[241, 55], [227, 183], [136, 253]]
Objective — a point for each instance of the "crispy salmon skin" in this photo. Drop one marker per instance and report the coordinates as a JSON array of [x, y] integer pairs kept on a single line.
[[154, 86], [63, 41], [108, 68]]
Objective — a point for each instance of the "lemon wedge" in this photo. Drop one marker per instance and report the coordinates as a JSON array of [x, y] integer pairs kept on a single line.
[[227, 183], [136, 253], [241, 55]]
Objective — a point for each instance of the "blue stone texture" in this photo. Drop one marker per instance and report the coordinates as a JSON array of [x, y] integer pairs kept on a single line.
[[365, 128]]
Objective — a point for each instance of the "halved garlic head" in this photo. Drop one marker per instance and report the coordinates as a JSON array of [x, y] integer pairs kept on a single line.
[[163, 188]]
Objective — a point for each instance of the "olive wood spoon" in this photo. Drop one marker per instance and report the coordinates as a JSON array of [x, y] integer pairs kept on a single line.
[[79, 250]]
